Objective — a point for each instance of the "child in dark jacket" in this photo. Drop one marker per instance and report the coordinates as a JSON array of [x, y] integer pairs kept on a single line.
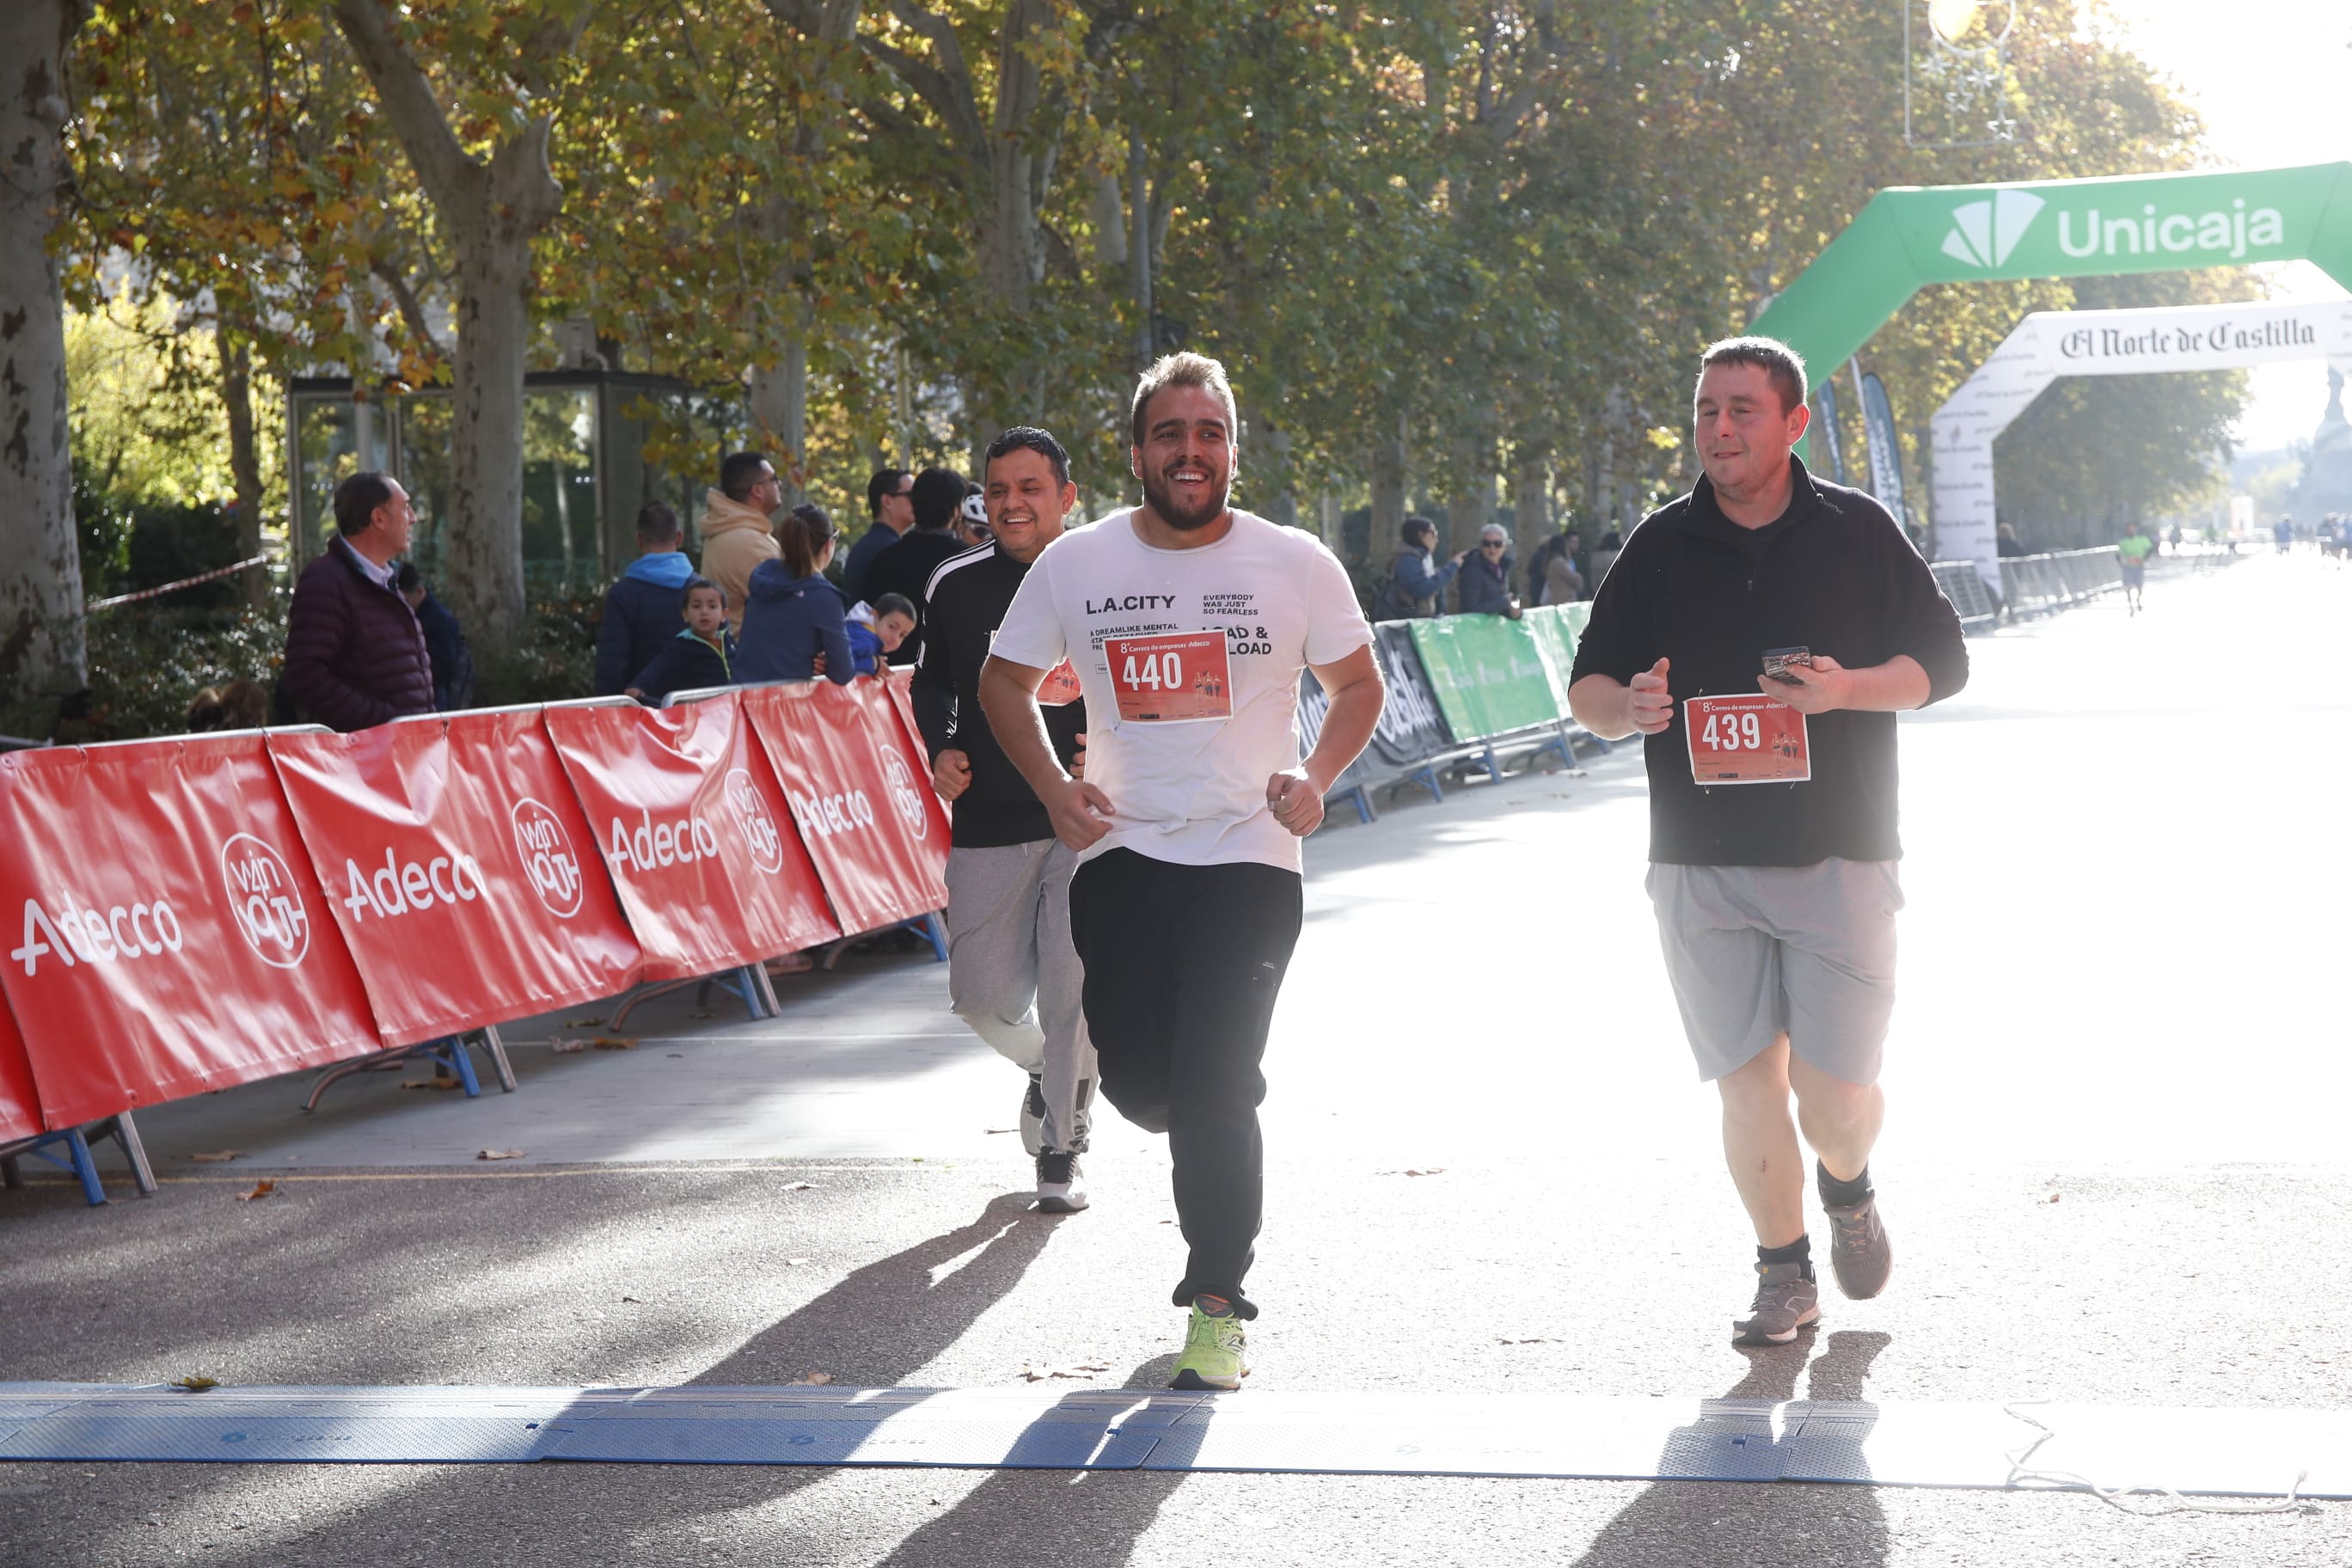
[[701, 655]]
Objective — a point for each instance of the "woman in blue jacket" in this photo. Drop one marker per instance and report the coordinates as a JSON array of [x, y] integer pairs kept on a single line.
[[791, 614]]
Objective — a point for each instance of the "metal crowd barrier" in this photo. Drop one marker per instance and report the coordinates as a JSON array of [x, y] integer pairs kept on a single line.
[[2038, 584]]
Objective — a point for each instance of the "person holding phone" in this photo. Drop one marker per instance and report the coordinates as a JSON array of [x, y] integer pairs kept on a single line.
[[1762, 633]]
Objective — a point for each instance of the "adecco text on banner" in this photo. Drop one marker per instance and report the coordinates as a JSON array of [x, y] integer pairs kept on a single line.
[[401, 887], [651, 843], [826, 815], [87, 936]]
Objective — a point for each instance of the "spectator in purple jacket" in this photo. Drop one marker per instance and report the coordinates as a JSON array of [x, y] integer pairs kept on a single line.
[[354, 654]]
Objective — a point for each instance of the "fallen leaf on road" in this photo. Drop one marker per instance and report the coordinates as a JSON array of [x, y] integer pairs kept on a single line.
[[565, 1047], [195, 1382], [1000, 1130], [814, 1380], [582, 1022], [2052, 1198], [613, 1042], [1535, 1341], [1076, 1370], [261, 1190], [702, 1014], [800, 1187], [216, 1157], [431, 1083], [501, 1154], [632, 1300]]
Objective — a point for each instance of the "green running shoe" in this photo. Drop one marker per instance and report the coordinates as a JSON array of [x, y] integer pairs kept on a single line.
[[1213, 1352]]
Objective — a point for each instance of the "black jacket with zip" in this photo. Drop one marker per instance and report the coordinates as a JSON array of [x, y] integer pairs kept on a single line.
[[1835, 574], [968, 596]]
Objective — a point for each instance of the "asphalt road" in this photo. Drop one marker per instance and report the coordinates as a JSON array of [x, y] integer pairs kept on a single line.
[[2115, 1171]]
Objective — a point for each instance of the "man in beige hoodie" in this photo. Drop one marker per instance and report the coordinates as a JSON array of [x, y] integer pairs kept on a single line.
[[736, 533]]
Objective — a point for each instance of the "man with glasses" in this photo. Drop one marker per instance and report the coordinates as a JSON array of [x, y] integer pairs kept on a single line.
[[1485, 586], [737, 532], [889, 500]]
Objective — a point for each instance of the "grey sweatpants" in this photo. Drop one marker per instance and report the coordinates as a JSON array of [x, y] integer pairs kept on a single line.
[[1013, 975]]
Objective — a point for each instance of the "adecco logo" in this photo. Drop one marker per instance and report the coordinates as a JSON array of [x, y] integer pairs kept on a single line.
[[548, 858], [1985, 233], [264, 902], [399, 887], [900, 782], [826, 815], [751, 815], [85, 936], [680, 843]]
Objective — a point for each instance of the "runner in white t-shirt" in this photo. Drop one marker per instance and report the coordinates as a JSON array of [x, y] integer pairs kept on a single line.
[[1188, 623]]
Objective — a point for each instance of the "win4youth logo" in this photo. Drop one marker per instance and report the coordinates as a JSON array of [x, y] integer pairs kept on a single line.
[[1984, 233]]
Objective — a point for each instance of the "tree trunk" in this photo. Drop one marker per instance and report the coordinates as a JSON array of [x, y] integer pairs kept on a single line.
[[1012, 257], [244, 461], [483, 575], [779, 401], [1387, 498], [42, 648], [492, 211], [1138, 251], [1531, 522]]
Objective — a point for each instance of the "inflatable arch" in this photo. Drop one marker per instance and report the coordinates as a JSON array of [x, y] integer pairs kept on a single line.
[[2048, 344], [1908, 236]]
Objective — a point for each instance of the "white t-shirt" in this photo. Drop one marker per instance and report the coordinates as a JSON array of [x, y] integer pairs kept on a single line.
[[1190, 662]]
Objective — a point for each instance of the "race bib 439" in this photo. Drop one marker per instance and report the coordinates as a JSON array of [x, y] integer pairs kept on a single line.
[[1178, 677], [1746, 738]]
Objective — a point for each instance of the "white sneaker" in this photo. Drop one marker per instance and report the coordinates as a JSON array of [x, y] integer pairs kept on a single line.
[[1061, 1184]]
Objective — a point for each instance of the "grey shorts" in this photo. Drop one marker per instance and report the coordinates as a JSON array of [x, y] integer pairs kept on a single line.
[[1754, 950]]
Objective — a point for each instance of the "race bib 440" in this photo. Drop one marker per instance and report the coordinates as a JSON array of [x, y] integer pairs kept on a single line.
[[1746, 738], [1178, 677]]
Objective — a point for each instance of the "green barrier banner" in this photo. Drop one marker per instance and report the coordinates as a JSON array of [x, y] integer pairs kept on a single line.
[[1555, 633], [1489, 674]]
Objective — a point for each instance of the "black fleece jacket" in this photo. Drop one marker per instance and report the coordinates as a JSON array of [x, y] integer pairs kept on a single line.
[[1834, 574]]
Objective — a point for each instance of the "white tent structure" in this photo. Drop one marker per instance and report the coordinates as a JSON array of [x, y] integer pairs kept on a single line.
[[2048, 344]]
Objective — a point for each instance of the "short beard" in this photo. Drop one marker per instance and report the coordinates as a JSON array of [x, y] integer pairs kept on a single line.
[[1162, 501]]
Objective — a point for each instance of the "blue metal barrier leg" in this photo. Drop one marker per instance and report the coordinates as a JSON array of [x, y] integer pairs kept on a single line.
[[1493, 768], [935, 930], [1361, 798], [84, 1166], [450, 1050]]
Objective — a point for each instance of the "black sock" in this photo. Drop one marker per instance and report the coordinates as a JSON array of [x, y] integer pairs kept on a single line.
[[1839, 1194], [1799, 1251]]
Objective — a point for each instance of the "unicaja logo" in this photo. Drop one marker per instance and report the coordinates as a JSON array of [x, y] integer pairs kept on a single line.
[[901, 784], [1985, 233], [264, 902]]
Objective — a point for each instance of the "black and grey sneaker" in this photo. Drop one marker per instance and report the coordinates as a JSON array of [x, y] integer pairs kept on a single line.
[[1859, 1253], [1785, 1302], [1061, 1186], [1033, 1115]]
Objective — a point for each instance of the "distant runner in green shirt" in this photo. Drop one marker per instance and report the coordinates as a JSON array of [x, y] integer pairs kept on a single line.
[[2133, 550]]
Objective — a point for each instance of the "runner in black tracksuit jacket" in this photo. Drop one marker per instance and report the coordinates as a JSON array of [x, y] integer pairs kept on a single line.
[[1013, 966], [968, 593]]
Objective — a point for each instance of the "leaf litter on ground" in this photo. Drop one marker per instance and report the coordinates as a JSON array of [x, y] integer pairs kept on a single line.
[[215, 1156], [1080, 1371], [261, 1190], [501, 1154]]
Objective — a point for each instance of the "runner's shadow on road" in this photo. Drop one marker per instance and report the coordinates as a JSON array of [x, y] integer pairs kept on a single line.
[[884, 1322], [1743, 1521], [1049, 1516]]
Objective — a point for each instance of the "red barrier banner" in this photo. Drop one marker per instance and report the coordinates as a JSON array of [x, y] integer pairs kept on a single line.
[[871, 826], [20, 1102], [171, 936], [693, 829], [458, 865], [891, 703]]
